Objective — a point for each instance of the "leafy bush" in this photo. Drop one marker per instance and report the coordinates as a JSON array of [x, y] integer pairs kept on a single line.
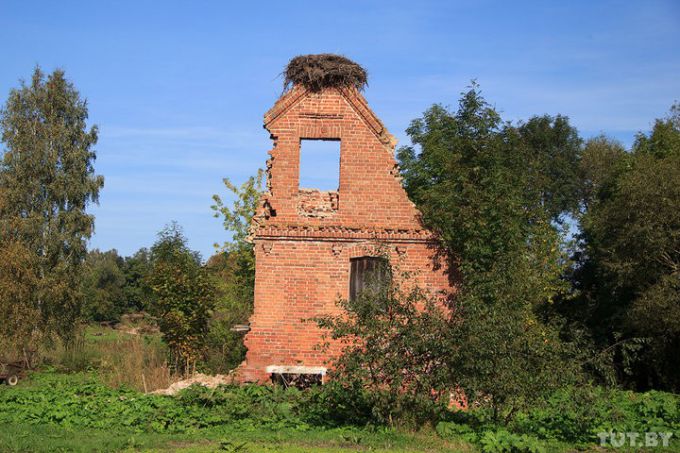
[[572, 415], [403, 376], [452, 430], [81, 401], [492, 439], [336, 404], [577, 414], [503, 441]]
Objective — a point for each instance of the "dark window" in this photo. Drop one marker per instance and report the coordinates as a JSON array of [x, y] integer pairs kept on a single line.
[[368, 273], [300, 381]]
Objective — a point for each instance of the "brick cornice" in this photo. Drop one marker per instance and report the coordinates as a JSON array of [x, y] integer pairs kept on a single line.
[[340, 233]]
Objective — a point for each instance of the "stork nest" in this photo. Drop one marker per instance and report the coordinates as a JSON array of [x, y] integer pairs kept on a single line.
[[325, 70]]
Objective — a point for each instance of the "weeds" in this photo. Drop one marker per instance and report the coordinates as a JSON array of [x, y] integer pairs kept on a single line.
[[571, 418], [136, 361]]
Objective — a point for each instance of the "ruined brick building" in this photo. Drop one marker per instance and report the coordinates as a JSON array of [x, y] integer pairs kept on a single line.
[[311, 245]]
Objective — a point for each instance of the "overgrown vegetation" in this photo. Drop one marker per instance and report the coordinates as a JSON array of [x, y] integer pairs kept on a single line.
[[103, 286], [132, 356], [399, 368], [628, 273], [234, 269], [481, 187], [535, 307], [570, 416], [184, 295]]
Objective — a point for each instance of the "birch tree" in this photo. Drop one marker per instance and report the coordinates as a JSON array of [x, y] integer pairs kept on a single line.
[[48, 180]]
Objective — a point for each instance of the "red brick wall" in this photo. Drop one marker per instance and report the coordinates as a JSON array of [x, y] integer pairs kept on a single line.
[[304, 241]]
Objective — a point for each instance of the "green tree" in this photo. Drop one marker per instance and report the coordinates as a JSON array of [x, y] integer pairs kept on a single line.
[[629, 272], [481, 185], [238, 219], [48, 180], [184, 296], [19, 322], [233, 306], [233, 268], [104, 286], [548, 149], [136, 268], [510, 350]]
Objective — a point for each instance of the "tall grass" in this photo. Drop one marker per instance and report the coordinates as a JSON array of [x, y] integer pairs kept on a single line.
[[120, 359], [135, 362]]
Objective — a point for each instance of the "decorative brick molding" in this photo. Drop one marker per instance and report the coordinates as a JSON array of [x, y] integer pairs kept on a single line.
[[333, 232]]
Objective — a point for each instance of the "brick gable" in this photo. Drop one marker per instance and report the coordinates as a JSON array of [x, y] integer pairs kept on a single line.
[[304, 239]]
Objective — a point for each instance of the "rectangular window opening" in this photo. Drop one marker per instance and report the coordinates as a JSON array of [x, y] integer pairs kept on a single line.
[[368, 274], [298, 380], [320, 164]]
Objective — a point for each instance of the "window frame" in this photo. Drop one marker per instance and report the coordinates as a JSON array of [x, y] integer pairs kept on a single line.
[[359, 270]]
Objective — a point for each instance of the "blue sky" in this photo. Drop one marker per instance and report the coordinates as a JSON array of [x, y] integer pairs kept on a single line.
[[178, 89]]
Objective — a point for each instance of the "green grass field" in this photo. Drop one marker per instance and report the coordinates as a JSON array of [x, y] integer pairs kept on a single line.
[[49, 438], [22, 438]]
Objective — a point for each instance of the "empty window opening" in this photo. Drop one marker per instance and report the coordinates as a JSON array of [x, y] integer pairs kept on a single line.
[[368, 274], [300, 381], [320, 164]]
